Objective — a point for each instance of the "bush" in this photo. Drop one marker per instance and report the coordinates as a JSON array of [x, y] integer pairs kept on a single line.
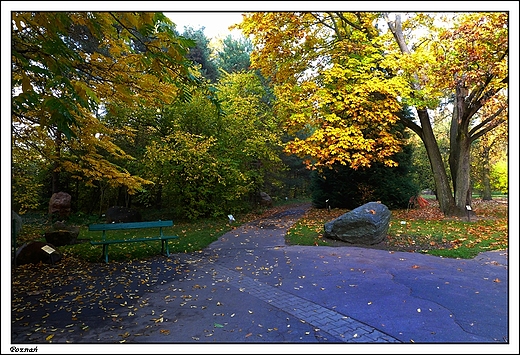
[[343, 187]]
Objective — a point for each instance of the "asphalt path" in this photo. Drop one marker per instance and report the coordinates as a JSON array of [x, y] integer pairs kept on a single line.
[[250, 289]]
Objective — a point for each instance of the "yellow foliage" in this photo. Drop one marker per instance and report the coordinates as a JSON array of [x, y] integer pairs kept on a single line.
[[88, 61], [340, 82]]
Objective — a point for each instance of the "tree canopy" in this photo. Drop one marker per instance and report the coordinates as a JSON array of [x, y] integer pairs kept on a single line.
[[108, 99], [115, 108], [70, 68], [341, 77]]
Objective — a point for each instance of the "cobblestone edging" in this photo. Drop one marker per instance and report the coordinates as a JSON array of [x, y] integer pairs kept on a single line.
[[342, 327]]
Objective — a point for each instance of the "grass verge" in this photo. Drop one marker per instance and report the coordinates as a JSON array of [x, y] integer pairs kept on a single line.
[[193, 235], [423, 230]]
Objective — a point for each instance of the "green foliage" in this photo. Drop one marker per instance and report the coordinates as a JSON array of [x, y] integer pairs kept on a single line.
[[234, 56], [251, 132], [499, 177], [205, 164], [191, 176], [201, 53]]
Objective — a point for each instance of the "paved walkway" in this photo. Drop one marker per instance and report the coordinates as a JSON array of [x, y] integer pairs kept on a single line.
[[249, 287]]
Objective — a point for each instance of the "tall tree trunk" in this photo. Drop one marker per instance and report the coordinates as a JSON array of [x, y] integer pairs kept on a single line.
[[466, 106], [460, 168], [442, 184], [158, 196], [486, 184], [460, 156], [57, 164]]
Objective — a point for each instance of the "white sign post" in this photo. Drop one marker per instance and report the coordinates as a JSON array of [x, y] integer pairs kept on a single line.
[[468, 208]]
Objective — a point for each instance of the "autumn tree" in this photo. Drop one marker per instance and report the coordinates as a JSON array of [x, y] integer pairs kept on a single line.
[[342, 78], [70, 68], [206, 164], [468, 65], [344, 187], [325, 94]]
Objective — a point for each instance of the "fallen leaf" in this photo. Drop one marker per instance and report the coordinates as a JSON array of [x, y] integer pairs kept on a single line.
[[125, 335]]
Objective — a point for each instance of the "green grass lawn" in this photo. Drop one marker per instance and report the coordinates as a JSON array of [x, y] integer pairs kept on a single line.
[[193, 236], [423, 230]]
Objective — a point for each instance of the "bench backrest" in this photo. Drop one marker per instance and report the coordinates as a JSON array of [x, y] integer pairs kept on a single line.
[[130, 225]]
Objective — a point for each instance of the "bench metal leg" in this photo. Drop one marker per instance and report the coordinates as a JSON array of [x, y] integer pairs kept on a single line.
[[165, 242], [105, 252]]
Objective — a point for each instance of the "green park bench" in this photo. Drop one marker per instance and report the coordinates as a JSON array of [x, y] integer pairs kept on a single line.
[[132, 225]]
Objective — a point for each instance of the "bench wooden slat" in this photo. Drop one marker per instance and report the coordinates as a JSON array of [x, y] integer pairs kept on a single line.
[[164, 237], [129, 225]]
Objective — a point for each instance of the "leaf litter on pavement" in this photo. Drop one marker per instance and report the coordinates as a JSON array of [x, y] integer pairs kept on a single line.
[[89, 296]]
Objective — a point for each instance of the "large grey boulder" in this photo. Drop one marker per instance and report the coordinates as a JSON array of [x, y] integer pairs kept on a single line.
[[367, 224]]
